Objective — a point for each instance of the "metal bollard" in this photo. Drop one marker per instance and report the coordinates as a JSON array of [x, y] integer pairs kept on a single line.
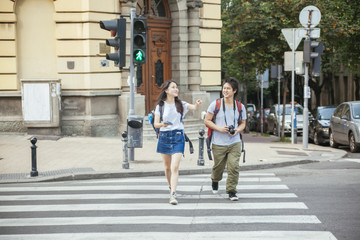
[[34, 172], [125, 164], [200, 161]]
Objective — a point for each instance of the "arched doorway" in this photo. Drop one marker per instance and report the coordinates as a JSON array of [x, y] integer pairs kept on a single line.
[[150, 76]]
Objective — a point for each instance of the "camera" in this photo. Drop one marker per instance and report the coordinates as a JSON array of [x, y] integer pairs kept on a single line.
[[232, 129]]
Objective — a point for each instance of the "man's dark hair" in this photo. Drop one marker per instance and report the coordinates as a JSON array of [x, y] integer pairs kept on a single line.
[[234, 84]]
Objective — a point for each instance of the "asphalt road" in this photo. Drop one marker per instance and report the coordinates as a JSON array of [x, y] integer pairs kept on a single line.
[[310, 201], [331, 190]]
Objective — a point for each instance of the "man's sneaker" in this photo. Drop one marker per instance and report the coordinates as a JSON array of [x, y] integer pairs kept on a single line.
[[233, 197], [215, 187], [173, 200]]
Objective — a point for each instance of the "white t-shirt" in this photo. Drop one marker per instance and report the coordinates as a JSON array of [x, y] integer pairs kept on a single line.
[[171, 115], [225, 139]]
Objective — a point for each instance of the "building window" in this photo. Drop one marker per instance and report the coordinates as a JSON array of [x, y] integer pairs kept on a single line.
[[159, 73], [152, 8]]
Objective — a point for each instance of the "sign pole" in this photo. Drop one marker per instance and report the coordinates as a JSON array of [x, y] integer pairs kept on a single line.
[[306, 110], [309, 17], [279, 76], [293, 89]]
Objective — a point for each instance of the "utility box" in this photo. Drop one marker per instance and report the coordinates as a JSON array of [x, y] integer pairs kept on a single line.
[[135, 131], [41, 102]]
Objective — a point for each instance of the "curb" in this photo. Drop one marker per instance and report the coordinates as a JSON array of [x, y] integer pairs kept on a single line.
[[106, 175]]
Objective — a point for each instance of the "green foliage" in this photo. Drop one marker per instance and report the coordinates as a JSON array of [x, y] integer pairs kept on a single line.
[[252, 38]]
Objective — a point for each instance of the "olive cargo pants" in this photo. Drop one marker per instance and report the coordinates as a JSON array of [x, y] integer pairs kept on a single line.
[[230, 156]]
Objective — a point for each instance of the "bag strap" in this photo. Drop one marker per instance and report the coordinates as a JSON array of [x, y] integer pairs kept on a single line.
[[161, 109], [191, 147], [239, 106], [217, 108]]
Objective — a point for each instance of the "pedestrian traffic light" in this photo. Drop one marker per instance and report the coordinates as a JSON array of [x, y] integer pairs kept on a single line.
[[117, 27], [312, 55], [139, 40]]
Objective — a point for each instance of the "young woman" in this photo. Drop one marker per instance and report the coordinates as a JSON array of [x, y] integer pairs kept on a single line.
[[171, 141]]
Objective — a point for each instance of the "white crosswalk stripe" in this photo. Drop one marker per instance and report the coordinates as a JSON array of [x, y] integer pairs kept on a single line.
[[132, 208]]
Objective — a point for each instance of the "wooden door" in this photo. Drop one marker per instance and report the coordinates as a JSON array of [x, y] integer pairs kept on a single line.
[[157, 69]]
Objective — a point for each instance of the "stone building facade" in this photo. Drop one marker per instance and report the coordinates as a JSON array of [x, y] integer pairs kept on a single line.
[[54, 78]]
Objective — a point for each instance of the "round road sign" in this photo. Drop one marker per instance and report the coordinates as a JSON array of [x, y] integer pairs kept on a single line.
[[310, 16]]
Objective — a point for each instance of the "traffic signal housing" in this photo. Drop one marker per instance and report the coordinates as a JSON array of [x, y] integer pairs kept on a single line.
[[139, 40], [312, 55], [117, 27]]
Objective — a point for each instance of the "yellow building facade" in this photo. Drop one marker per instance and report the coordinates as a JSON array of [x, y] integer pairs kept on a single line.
[[54, 78]]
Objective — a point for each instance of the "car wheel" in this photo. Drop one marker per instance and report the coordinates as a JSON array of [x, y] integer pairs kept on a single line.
[[333, 144], [353, 146], [316, 138]]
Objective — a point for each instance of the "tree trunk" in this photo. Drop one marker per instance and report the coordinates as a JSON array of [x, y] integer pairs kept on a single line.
[[357, 87]]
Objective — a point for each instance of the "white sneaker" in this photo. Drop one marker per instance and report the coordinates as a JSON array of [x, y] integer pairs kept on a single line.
[[173, 200]]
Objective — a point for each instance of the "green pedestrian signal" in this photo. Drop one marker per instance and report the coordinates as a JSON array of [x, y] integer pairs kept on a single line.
[[138, 55], [139, 40]]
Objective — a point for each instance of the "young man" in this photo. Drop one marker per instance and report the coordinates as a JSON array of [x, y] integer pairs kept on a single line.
[[226, 143]]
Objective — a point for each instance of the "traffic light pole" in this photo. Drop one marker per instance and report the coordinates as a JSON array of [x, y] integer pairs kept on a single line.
[[306, 109], [132, 74], [132, 71]]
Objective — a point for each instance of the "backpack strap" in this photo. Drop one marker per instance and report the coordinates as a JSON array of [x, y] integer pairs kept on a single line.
[[239, 105], [217, 108], [161, 109]]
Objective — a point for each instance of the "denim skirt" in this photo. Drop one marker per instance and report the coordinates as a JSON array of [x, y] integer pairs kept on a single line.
[[171, 142]]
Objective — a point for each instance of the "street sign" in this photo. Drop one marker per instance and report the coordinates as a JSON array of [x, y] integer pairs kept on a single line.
[[289, 36], [313, 32], [288, 61], [310, 17]]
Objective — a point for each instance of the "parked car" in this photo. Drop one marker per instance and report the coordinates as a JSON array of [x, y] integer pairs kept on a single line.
[[345, 126], [250, 109], [258, 120], [274, 121], [319, 126], [254, 120]]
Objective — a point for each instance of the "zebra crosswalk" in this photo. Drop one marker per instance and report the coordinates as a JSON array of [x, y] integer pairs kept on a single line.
[[138, 208]]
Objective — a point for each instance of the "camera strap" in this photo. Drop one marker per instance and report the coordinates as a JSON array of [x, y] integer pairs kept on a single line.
[[225, 112]]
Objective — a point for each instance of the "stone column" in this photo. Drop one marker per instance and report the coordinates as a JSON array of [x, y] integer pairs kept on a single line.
[[179, 47], [194, 44]]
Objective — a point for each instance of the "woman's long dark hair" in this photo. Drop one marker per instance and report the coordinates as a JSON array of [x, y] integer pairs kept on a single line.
[[163, 95]]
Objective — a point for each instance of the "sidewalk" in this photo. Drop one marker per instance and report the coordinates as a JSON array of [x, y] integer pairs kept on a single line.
[[69, 158]]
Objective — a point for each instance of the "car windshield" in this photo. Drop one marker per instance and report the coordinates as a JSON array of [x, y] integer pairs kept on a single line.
[[250, 109], [298, 110], [325, 113], [356, 110]]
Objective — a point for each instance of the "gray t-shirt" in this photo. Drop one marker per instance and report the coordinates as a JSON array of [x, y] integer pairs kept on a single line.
[[225, 139]]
